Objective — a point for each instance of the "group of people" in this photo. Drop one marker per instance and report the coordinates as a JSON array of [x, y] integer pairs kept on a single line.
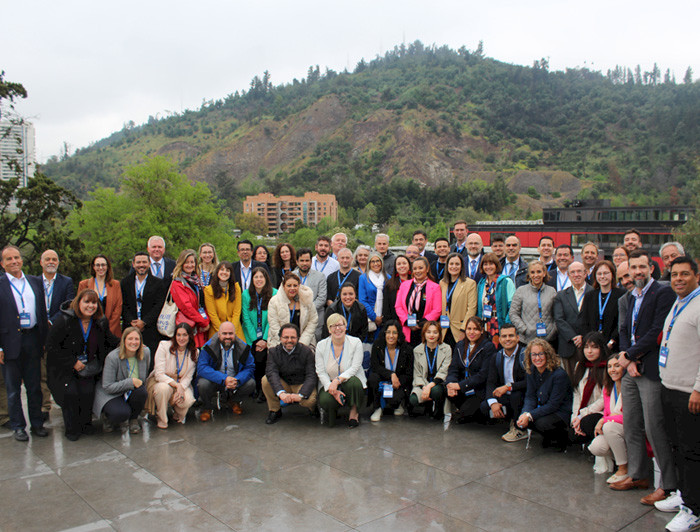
[[460, 334]]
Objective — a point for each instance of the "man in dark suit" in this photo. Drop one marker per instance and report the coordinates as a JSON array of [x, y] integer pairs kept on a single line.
[[559, 278], [546, 251], [143, 296], [565, 310], [475, 251], [243, 267], [23, 328], [442, 250], [57, 290], [648, 305], [506, 383], [420, 239], [460, 232], [513, 264], [161, 267], [344, 276]]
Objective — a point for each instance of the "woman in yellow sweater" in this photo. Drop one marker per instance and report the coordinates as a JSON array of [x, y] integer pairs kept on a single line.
[[222, 299]]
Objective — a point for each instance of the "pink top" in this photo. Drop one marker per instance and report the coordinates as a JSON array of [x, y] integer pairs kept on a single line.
[[433, 303], [612, 410]]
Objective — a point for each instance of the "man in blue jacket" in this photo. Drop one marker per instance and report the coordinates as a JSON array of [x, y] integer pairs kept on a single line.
[[225, 367]]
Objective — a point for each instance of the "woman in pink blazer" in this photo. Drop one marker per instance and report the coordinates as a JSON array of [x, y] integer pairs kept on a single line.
[[418, 300]]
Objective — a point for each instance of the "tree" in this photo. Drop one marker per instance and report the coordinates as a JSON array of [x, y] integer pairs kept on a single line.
[[249, 221], [154, 199], [33, 219], [688, 78]]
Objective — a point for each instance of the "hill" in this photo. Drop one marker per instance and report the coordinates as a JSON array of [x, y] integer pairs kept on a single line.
[[427, 130]]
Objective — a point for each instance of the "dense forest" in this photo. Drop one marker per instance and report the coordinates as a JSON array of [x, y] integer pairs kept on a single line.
[[425, 131]]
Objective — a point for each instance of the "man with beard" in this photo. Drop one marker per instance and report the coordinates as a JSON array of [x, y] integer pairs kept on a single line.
[[322, 262], [314, 280]]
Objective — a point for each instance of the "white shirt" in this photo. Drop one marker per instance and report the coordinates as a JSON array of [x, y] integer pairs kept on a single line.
[[326, 267], [154, 270], [579, 295], [48, 290], [245, 275], [24, 297], [563, 281]]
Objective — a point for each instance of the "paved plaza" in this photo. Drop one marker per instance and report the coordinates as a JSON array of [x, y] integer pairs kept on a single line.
[[237, 473]]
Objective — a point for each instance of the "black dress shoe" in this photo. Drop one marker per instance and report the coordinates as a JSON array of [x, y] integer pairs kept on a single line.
[[87, 429], [273, 417], [41, 432], [21, 435], [72, 437], [45, 415], [352, 423]]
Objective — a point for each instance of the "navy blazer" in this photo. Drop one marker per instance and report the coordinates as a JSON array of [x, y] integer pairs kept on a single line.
[[477, 274], [565, 313], [253, 264], [548, 393], [153, 297], [10, 331], [63, 290], [520, 277], [655, 307], [474, 376], [496, 376]]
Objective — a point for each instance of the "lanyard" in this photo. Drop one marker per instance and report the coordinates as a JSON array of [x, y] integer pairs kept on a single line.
[[459, 249], [304, 278], [104, 289], [439, 271], [128, 370], [21, 293], [245, 277], [601, 308], [615, 392], [677, 311], [347, 317], [339, 358], [449, 296], [325, 263], [86, 334], [431, 367], [466, 361], [49, 292], [139, 291], [539, 302], [635, 314], [257, 296], [180, 365], [292, 312], [227, 353], [205, 276], [562, 285], [341, 283], [473, 266], [392, 365], [578, 301]]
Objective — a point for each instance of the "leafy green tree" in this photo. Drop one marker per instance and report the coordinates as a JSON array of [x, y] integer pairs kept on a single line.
[[249, 221], [154, 199]]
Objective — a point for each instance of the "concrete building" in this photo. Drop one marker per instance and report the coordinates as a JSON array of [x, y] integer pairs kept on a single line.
[[17, 150], [281, 212]]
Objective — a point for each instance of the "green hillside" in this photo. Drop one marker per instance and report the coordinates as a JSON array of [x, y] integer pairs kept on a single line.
[[427, 130]]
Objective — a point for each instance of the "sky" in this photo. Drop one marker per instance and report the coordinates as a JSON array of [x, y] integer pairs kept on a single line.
[[90, 67]]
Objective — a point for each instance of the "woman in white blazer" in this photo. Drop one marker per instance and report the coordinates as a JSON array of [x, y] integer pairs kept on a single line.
[[341, 378], [294, 303]]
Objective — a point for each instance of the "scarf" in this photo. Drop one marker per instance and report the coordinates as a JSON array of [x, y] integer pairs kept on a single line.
[[414, 301], [590, 382], [377, 279]]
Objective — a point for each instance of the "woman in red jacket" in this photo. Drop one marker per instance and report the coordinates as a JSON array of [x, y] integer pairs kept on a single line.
[[188, 295], [418, 300]]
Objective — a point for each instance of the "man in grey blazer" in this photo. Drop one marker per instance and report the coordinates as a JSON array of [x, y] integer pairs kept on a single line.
[[314, 280], [565, 310]]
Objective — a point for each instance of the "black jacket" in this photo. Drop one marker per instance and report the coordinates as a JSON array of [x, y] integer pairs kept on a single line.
[[333, 283], [403, 366], [472, 376], [297, 367], [496, 376], [588, 317], [358, 319], [520, 277]]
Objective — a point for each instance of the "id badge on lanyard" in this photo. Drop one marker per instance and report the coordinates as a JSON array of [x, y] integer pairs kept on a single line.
[[663, 356], [541, 329], [388, 391], [444, 321], [411, 320], [488, 311], [24, 320]]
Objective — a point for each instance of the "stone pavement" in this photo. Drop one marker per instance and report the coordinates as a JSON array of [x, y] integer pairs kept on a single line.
[[236, 473]]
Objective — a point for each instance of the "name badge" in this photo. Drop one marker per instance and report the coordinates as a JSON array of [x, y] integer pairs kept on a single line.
[[488, 311], [24, 320], [388, 391], [469, 392], [541, 329], [203, 313], [83, 358], [259, 332], [411, 321], [444, 322], [663, 356]]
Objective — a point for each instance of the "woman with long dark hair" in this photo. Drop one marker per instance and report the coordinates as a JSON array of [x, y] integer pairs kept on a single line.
[[402, 272], [458, 299], [222, 299], [418, 301], [284, 260], [108, 291]]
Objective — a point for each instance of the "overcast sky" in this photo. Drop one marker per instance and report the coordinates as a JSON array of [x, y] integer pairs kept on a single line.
[[89, 66]]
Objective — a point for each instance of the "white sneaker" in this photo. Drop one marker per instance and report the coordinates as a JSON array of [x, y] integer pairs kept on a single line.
[[376, 415], [447, 420], [684, 521], [515, 434], [399, 411], [672, 503]]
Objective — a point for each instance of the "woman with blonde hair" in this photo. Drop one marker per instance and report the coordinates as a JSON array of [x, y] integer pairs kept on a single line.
[[208, 259], [531, 308], [188, 294], [549, 396]]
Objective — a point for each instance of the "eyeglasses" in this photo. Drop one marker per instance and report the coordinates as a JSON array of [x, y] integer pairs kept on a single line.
[[537, 355], [337, 326]]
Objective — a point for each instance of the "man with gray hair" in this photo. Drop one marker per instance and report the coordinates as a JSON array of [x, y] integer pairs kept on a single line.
[[161, 267], [338, 242], [668, 252], [381, 244]]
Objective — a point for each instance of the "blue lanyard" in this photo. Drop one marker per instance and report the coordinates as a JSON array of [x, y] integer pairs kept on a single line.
[[245, 277], [439, 271], [561, 286], [325, 263], [578, 301], [128, 369], [459, 250], [226, 355], [139, 291], [539, 302], [180, 365], [615, 392], [466, 356], [86, 334], [449, 296], [635, 314], [472, 271], [303, 279], [21, 294], [205, 276], [347, 316], [292, 312], [601, 308], [102, 294], [341, 355], [427, 356], [341, 283], [49, 293], [677, 311], [392, 365]]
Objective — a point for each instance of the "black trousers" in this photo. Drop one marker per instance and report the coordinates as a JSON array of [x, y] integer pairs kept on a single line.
[[209, 389], [587, 426], [466, 405], [683, 429], [25, 368], [260, 364], [77, 403], [512, 401], [553, 429], [376, 394], [118, 410]]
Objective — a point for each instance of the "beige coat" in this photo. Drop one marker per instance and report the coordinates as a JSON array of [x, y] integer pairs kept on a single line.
[[278, 315], [463, 305], [420, 367]]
